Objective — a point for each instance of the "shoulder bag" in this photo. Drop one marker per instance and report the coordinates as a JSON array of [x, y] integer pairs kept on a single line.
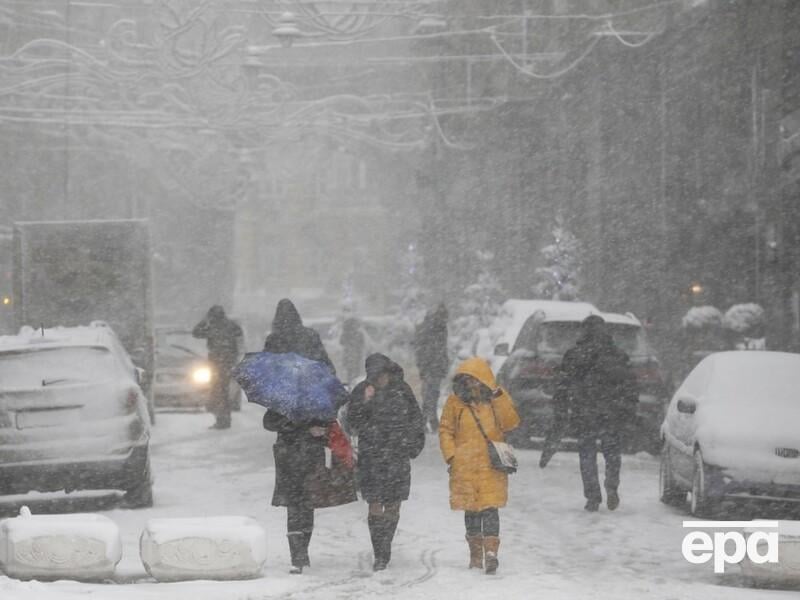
[[501, 454]]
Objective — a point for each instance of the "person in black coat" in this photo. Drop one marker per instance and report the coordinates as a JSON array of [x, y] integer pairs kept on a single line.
[[300, 448], [223, 338], [384, 413], [597, 391], [430, 346]]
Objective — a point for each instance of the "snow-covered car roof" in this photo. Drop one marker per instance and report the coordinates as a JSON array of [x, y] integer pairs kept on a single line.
[[738, 367], [96, 334], [620, 319], [515, 312]]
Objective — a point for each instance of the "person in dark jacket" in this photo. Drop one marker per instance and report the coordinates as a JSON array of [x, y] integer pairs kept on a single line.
[[300, 448], [430, 345], [352, 341], [598, 389], [223, 338], [384, 413]]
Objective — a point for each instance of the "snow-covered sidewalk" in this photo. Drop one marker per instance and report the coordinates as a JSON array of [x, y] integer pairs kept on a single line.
[[551, 548]]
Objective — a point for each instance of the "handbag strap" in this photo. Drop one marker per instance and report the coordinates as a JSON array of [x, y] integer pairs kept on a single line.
[[478, 423]]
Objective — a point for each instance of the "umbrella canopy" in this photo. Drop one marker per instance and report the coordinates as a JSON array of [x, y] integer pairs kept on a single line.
[[300, 389]]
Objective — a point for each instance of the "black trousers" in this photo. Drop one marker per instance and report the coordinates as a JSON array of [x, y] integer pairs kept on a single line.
[[485, 522], [299, 519], [220, 403], [610, 446], [431, 386]]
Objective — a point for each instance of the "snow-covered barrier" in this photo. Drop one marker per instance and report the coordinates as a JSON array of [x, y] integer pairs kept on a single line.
[[83, 547], [203, 548], [787, 569]]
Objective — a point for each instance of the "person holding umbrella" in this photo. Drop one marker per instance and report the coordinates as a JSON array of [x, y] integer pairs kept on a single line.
[[296, 381], [384, 413]]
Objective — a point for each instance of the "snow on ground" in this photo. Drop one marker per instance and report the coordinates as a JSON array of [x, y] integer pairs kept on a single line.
[[551, 548]]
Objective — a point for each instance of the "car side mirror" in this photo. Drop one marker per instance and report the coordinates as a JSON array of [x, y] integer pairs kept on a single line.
[[501, 350], [687, 406], [138, 375]]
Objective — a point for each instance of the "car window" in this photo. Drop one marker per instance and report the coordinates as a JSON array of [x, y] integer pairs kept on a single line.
[[696, 383], [181, 344], [57, 366], [629, 338], [527, 338]]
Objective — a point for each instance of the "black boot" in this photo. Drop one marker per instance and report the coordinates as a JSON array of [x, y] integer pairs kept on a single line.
[[377, 536], [306, 541], [297, 550], [390, 527]]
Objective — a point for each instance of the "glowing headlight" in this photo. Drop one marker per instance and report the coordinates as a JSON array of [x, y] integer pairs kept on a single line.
[[201, 375]]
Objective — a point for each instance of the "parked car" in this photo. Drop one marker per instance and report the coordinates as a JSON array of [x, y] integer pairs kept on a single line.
[[72, 414], [183, 374], [530, 365], [732, 431]]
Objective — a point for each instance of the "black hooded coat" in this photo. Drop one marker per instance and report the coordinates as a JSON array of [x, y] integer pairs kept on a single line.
[[390, 432], [430, 345], [597, 384], [289, 335], [301, 476]]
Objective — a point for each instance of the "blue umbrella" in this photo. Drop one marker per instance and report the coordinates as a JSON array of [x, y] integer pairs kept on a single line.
[[298, 388]]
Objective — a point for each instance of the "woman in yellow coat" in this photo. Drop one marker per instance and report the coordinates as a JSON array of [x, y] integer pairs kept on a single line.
[[475, 486]]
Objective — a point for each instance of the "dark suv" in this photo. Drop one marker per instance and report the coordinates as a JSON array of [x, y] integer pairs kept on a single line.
[[530, 370]]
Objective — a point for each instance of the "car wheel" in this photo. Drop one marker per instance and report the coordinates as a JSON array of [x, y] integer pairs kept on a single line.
[[668, 491], [702, 503], [140, 495]]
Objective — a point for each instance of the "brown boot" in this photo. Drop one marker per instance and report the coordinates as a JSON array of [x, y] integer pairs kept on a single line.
[[490, 546], [475, 551]]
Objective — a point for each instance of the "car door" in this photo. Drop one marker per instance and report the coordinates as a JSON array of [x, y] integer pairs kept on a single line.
[[680, 429]]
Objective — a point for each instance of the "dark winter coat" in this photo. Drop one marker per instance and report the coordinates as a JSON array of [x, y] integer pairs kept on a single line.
[[352, 341], [390, 432], [597, 385], [222, 337], [430, 345], [289, 335], [301, 476]]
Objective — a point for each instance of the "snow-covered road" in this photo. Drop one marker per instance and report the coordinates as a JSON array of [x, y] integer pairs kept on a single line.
[[551, 548]]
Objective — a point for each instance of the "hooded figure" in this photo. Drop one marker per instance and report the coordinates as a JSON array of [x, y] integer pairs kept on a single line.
[[475, 486], [289, 335], [384, 413], [299, 450], [222, 337], [430, 346], [352, 341], [598, 388]]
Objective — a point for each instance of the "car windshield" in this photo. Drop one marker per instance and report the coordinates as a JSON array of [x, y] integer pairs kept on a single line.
[[56, 366], [559, 336], [181, 344]]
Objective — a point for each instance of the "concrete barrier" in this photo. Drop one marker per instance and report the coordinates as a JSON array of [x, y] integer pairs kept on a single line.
[[203, 548], [83, 547]]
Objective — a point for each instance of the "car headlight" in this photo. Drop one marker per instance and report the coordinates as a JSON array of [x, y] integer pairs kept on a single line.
[[201, 375]]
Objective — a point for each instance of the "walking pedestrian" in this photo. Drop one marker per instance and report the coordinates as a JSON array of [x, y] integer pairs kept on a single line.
[[384, 413], [352, 341], [598, 388], [223, 339], [430, 345], [477, 410], [300, 449]]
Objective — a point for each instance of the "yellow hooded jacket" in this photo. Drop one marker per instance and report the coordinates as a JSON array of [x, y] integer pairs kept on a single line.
[[474, 484]]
